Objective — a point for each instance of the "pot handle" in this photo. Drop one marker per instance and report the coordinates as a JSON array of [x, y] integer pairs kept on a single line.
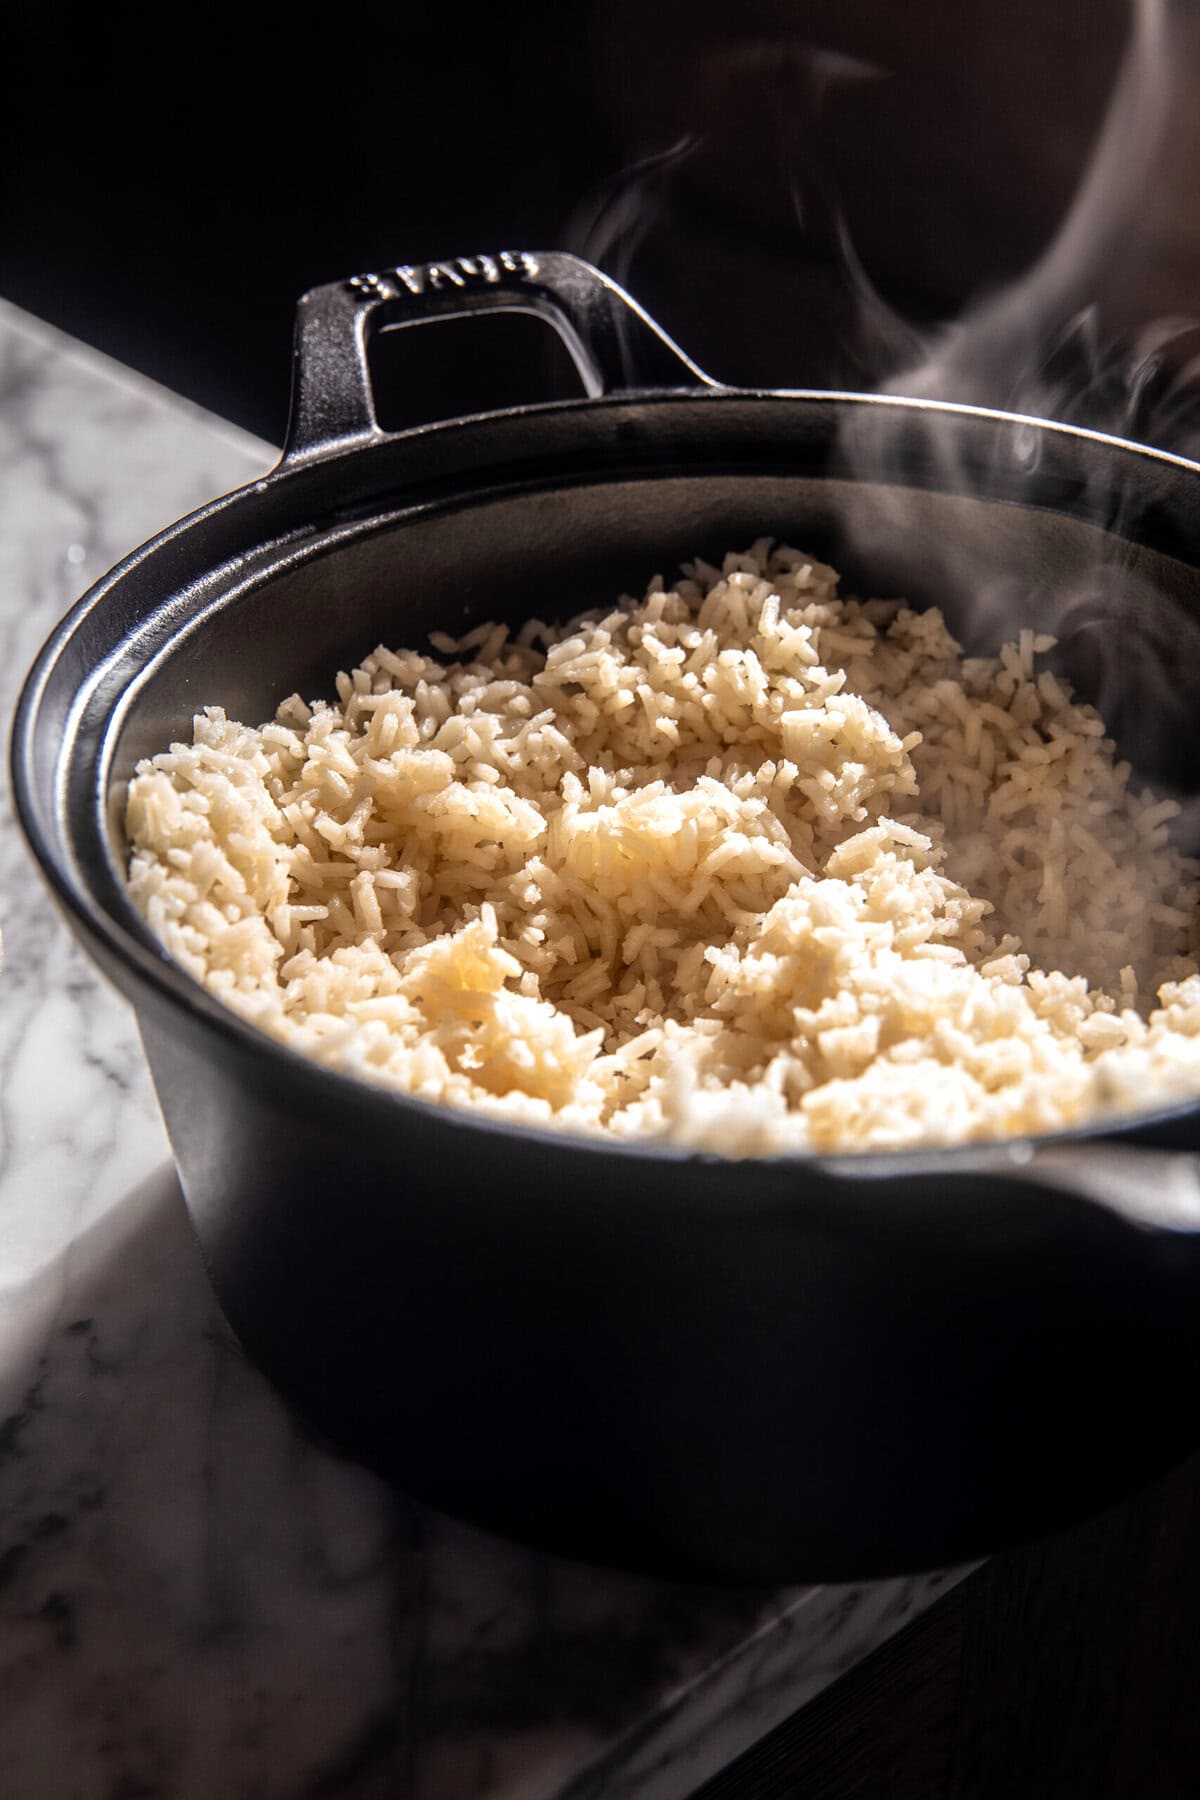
[[614, 344], [1156, 1190]]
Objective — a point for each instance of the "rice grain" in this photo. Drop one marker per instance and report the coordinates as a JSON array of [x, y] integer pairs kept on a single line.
[[742, 865]]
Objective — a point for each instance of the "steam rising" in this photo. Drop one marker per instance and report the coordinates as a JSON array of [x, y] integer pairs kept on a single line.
[[1037, 347], [1040, 346], [1000, 342], [612, 225]]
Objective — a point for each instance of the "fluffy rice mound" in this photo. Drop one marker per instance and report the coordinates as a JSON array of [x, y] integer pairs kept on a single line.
[[742, 865]]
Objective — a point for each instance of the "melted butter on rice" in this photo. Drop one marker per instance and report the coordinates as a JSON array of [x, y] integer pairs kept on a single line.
[[743, 865]]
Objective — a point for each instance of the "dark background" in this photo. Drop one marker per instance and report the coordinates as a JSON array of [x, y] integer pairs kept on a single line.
[[171, 180]]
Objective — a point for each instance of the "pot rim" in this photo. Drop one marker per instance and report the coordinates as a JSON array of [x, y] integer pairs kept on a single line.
[[118, 943]]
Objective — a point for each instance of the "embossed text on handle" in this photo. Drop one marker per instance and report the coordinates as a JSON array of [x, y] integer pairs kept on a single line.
[[461, 273]]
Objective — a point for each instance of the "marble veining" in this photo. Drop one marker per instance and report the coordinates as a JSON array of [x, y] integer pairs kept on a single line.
[[195, 1599]]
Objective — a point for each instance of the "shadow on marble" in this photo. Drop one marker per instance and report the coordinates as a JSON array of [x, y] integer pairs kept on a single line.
[[193, 1590]]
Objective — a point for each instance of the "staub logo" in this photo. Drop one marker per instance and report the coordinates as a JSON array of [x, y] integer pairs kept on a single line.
[[462, 272]]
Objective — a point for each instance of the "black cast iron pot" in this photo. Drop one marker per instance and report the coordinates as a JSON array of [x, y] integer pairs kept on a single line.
[[793, 1368]]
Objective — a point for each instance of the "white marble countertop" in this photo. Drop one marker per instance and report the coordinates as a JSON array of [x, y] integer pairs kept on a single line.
[[194, 1600]]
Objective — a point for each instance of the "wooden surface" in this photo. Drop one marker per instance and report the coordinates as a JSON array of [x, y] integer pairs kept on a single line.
[[1069, 1669]]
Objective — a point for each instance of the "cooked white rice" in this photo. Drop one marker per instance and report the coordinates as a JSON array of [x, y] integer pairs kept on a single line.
[[743, 865]]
